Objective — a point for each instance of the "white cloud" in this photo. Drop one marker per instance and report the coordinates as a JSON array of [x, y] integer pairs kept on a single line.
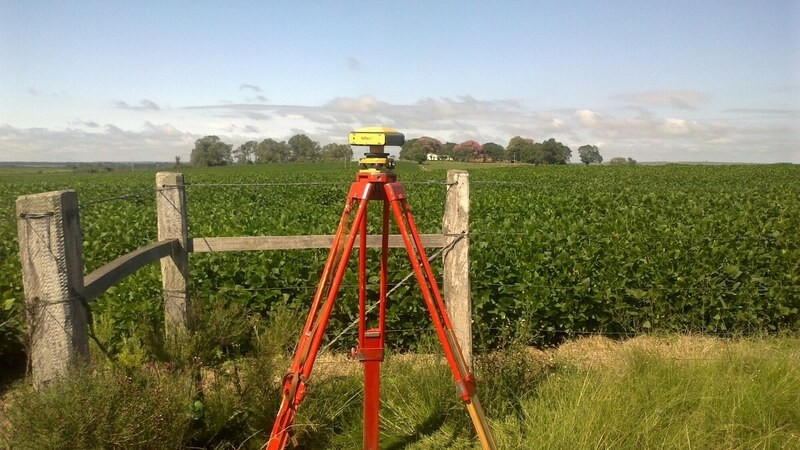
[[740, 135], [686, 100], [588, 118], [363, 104], [152, 142], [144, 105], [249, 87], [787, 113]]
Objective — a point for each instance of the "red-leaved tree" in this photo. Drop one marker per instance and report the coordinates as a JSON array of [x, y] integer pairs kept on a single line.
[[469, 151]]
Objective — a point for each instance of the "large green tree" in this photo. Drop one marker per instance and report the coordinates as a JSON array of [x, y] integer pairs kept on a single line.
[[412, 148], [272, 151], [303, 148], [555, 152], [516, 146], [617, 161], [211, 151], [336, 152], [620, 160], [525, 150], [245, 153], [494, 152], [589, 154]]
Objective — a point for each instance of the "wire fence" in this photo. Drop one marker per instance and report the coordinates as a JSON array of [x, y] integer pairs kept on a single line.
[[517, 287], [149, 193], [488, 230]]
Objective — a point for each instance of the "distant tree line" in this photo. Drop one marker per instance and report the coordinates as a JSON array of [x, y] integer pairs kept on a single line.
[[620, 161], [212, 151], [519, 149]]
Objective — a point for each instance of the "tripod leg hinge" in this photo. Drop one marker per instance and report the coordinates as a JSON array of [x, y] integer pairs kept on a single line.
[[294, 388], [465, 388]]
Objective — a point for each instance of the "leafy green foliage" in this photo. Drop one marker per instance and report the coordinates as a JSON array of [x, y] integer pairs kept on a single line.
[[418, 149], [494, 152], [211, 151], [336, 152], [272, 151], [302, 148], [245, 153], [548, 152], [590, 154], [553, 250], [631, 249]]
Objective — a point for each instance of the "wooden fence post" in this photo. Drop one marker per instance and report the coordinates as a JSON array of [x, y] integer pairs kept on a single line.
[[455, 225], [48, 228], [172, 224]]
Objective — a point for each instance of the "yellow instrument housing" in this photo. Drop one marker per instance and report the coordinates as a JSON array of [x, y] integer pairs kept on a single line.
[[376, 137]]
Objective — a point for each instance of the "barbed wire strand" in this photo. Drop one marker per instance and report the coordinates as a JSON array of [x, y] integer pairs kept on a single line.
[[477, 285], [128, 196], [388, 293], [343, 184]]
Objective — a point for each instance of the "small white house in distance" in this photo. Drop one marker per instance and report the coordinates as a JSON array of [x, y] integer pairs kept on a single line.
[[435, 157]]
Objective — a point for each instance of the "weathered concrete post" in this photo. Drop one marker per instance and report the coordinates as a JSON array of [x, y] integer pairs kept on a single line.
[[48, 227], [172, 223], [456, 260]]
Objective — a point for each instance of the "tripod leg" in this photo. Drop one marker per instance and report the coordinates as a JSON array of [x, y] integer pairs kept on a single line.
[[294, 383], [368, 351], [371, 342], [464, 380], [384, 268]]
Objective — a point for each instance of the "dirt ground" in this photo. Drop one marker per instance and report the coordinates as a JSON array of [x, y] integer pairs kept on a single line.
[[604, 353]]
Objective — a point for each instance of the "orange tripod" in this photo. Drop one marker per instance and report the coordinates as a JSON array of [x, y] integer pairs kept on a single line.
[[375, 182]]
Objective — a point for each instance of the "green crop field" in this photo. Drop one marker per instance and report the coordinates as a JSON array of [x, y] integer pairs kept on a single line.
[[554, 251]]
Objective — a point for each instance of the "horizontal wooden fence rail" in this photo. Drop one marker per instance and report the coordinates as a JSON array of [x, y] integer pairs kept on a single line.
[[57, 293], [112, 273]]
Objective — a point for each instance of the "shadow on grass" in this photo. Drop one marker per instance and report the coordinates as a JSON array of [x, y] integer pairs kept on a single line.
[[429, 426]]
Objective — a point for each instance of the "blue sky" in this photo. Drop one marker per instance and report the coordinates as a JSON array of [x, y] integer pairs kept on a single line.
[[656, 81]]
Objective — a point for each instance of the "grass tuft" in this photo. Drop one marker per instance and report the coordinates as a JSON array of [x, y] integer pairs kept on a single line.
[[648, 392], [100, 409], [740, 394]]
